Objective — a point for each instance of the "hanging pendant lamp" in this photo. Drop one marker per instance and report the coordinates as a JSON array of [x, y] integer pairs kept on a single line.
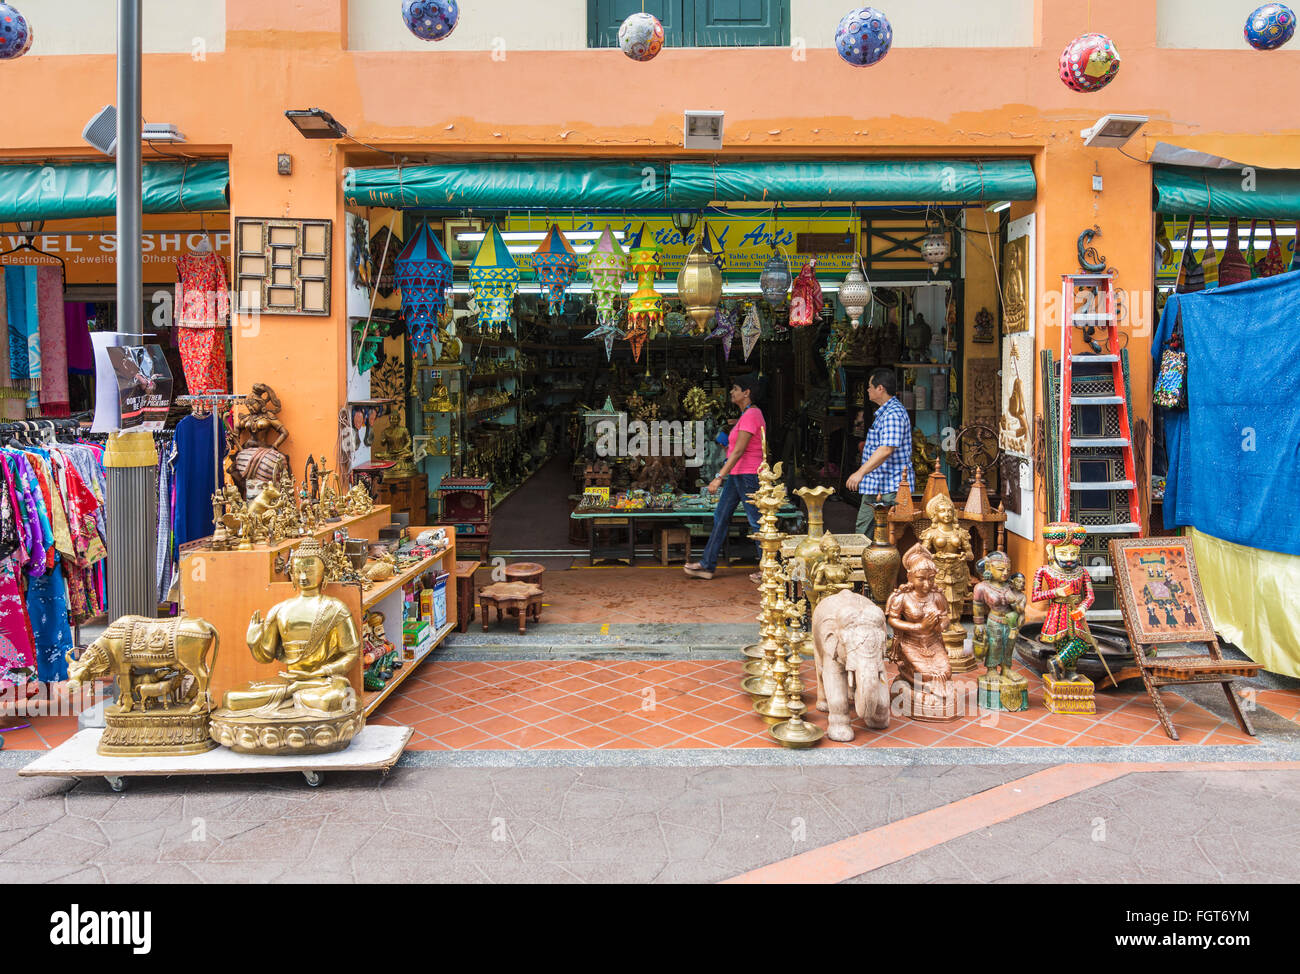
[[775, 280], [699, 284], [855, 291]]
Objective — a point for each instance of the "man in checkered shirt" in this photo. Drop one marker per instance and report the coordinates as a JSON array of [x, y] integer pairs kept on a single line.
[[887, 453]]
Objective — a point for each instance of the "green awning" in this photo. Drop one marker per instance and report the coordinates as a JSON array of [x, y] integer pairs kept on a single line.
[[1269, 194], [61, 192], [924, 181], [539, 183]]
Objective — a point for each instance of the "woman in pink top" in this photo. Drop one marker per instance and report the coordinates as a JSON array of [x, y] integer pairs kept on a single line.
[[738, 477]]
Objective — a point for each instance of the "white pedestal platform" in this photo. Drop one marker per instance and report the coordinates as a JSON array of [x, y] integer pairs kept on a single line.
[[376, 748]]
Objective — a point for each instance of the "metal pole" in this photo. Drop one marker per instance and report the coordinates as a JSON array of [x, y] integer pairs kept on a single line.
[[130, 286]]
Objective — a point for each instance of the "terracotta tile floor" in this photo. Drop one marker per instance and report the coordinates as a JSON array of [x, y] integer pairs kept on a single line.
[[1284, 703], [646, 594], [698, 704]]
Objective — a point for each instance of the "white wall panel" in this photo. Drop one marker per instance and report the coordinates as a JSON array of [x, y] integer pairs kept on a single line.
[[90, 26], [485, 25], [934, 23], [1204, 24]]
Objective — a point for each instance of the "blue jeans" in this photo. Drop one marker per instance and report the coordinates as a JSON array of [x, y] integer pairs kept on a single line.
[[735, 490]]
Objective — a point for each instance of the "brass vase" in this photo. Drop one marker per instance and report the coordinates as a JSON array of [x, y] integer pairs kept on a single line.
[[881, 560], [808, 552]]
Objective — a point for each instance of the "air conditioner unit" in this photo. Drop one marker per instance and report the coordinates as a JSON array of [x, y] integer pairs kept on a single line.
[[101, 131]]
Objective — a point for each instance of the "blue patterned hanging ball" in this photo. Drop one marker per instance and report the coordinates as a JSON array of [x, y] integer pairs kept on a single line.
[[15, 33], [1270, 26], [431, 20], [864, 36]]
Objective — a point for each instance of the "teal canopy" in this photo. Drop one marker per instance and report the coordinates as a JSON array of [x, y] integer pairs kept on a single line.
[[870, 180], [536, 184], [85, 189], [633, 185], [1269, 194]]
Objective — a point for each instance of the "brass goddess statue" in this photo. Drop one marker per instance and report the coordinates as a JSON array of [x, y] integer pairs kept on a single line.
[[311, 707]]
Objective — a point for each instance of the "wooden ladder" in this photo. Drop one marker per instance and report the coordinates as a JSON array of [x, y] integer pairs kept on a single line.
[[1099, 292]]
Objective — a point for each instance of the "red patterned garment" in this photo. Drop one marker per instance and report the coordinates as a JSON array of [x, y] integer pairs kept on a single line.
[[202, 309], [1062, 621]]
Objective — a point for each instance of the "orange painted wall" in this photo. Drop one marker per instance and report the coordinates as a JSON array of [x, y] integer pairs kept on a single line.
[[464, 105]]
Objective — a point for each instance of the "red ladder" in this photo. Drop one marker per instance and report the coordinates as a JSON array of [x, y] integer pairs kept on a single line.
[[1099, 291]]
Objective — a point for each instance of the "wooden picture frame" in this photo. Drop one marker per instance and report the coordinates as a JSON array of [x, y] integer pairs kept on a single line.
[[1159, 591], [283, 266], [450, 228]]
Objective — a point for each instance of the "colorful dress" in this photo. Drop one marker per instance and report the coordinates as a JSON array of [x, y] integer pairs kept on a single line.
[[202, 309], [1064, 615]]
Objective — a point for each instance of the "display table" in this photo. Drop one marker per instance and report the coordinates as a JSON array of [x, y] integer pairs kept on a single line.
[[511, 599], [376, 748], [630, 520], [465, 592]]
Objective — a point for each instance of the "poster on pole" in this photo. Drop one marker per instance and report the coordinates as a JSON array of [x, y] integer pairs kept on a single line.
[[1016, 423], [144, 386]]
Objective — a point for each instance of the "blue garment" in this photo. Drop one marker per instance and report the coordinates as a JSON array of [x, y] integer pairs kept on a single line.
[[1234, 452], [196, 478], [736, 489], [15, 284], [891, 427], [47, 607]]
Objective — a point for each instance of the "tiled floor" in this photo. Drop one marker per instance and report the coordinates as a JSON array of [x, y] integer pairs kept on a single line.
[[622, 595], [1284, 703], [639, 704]]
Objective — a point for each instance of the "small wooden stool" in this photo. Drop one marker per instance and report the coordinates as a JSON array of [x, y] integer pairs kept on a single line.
[[528, 572], [514, 599], [674, 536], [465, 593]]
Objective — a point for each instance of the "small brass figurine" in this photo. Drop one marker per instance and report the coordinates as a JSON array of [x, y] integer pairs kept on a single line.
[[396, 444], [918, 614], [152, 660], [311, 707], [949, 545], [1000, 688], [830, 572]]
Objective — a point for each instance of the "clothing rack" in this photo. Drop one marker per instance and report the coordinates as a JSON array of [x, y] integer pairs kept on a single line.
[[211, 400]]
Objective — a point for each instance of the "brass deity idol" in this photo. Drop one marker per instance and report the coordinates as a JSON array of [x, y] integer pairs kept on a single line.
[[949, 545], [830, 573], [918, 614], [396, 444], [1000, 688], [164, 666], [310, 707]]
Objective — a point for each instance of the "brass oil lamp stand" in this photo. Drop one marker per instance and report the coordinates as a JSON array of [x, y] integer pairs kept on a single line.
[[762, 655]]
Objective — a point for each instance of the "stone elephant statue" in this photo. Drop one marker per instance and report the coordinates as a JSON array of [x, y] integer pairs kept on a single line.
[[849, 650], [135, 648]]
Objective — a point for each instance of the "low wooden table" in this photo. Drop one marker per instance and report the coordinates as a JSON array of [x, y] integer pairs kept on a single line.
[[528, 572], [465, 593], [632, 519], [514, 599]]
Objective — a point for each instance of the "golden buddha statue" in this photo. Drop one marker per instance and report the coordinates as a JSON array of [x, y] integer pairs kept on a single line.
[[310, 707]]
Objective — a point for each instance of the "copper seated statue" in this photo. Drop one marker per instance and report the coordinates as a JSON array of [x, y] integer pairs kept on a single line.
[[918, 614]]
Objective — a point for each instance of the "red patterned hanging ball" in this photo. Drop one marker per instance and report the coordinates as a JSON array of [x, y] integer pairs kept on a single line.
[[1089, 63]]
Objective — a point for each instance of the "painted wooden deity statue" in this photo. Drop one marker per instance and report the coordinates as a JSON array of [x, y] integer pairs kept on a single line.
[[1067, 588], [1000, 607]]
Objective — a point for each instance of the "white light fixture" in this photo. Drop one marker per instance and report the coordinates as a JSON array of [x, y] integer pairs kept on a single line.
[[1113, 131], [702, 130], [101, 131], [999, 206]]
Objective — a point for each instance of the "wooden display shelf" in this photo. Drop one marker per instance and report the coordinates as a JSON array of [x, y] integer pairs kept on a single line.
[[381, 590], [371, 699]]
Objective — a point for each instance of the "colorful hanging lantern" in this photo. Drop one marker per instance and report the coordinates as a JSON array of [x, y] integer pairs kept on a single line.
[[699, 283], [495, 277], [935, 248], [606, 332], [725, 321], [864, 36], [806, 301], [775, 280], [855, 292], [645, 309], [15, 33], [1089, 63], [607, 266], [431, 20], [1270, 26], [555, 264], [641, 37], [423, 273], [750, 331]]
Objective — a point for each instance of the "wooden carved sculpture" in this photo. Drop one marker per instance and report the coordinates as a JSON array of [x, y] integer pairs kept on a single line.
[[259, 435]]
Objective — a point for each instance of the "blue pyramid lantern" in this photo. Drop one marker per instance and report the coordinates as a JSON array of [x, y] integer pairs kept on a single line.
[[555, 262], [423, 273], [713, 248]]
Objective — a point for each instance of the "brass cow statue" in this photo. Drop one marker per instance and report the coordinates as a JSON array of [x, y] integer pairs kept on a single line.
[[136, 648]]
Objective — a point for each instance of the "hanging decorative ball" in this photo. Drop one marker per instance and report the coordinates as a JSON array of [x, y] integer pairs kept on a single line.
[[775, 280], [641, 37], [935, 248], [864, 36], [431, 20], [1089, 62], [855, 293], [15, 33], [1270, 26]]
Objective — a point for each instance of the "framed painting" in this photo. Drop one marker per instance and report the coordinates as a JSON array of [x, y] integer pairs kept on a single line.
[[1159, 591]]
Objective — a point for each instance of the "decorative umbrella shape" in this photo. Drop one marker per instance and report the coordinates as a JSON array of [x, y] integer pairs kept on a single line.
[[607, 265], [806, 299], [495, 277], [646, 307], [726, 320], [607, 332], [750, 331], [555, 263], [423, 273]]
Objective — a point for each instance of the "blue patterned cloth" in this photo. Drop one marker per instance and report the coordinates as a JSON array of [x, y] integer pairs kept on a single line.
[[891, 427]]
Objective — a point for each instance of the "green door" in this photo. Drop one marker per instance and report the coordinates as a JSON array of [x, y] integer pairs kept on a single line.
[[741, 23], [604, 17]]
